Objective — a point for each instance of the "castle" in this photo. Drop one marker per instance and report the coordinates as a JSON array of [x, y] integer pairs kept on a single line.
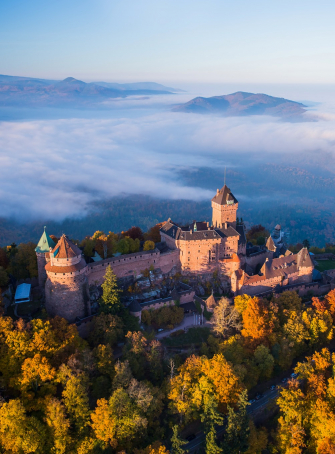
[[200, 248]]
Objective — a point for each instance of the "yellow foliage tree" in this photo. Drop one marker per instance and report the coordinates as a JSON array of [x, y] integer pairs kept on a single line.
[[199, 378]]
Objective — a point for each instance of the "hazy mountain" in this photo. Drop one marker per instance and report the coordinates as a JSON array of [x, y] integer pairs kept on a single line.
[[241, 103], [31, 92], [152, 86]]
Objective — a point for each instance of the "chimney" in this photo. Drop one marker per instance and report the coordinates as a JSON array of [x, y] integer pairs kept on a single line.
[[217, 191], [226, 225]]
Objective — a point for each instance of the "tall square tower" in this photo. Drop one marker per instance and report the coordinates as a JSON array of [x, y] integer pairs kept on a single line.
[[224, 208]]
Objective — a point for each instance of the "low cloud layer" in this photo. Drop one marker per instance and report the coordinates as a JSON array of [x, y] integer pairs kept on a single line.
[[56, 168]]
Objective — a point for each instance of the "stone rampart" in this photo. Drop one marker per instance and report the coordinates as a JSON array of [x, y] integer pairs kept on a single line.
[[132, 265], [258, 258]]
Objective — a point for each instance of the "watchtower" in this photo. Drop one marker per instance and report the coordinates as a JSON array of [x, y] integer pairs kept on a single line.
[[66, 288], [224, 208]]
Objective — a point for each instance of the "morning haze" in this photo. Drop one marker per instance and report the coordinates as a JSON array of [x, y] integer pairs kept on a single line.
[[167, 227]]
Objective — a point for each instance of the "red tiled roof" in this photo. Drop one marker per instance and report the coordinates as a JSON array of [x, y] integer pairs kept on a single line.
[[65, 249]]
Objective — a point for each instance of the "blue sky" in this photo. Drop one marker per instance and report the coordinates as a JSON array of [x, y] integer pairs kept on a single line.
[[210, 41]]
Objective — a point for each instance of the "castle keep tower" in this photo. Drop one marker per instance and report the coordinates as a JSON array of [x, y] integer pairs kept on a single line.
[[43, 256], [66, 288], [224, 207]]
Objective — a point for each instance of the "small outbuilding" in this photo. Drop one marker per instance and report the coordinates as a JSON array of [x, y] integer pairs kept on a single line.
[[23, 294]]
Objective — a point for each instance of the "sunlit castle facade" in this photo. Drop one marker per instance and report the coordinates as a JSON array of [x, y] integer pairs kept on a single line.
[[198, 249], [206, 247]]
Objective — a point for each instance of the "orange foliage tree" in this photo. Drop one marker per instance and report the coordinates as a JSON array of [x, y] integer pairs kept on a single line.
[[258, 323], [199, 380]]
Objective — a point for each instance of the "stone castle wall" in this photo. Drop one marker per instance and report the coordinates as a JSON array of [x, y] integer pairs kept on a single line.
[[132, 265], [258, 259], [67, 295]]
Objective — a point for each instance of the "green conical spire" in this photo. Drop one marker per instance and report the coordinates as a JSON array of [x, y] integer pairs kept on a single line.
[[45, 243]]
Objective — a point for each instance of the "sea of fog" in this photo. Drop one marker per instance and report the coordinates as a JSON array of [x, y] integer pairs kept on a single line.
[[58, 163]]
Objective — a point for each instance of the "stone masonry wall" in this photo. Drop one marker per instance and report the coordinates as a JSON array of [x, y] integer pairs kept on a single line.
[[67, 296], [258, 259], [132, 265]]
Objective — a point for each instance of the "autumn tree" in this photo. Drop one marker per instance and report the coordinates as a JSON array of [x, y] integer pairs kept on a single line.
[[177, 443], [153, 233], [198, 378], [75, 397], [148, 245], [134, 233], [225, 318], [241, 303], [124, 417], [20, 433], [258, 323], [306, 407], [110, 300], [154, 448], [59, 426]]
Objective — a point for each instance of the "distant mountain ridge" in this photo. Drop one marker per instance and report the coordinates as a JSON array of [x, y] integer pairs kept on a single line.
[[243, 104], [31, 92]]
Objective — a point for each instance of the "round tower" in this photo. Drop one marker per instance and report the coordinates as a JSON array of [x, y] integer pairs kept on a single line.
[[43, 256], [66, 288]]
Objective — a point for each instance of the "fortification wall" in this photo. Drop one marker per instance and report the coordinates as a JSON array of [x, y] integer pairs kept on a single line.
[[170, 242], [169, 261], [331, 273], [132, 265], [258, 259], [186, 296]]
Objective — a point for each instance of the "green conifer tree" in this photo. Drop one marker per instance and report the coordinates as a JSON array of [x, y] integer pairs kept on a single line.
[[110, 301], [177, 442], [237, 428]]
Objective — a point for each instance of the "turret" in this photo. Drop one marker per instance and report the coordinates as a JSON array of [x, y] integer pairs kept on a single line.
[[43, 256]]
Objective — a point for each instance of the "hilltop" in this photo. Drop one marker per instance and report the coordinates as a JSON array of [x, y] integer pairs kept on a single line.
[[31, 92], [242, 104]]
